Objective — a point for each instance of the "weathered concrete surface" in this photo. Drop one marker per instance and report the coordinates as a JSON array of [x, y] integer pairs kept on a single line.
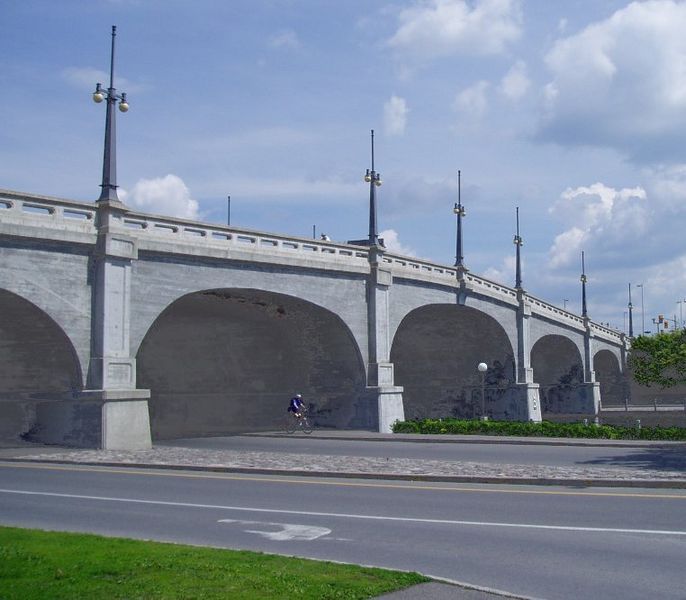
[[226, 361], [436, 352], [108, 278]]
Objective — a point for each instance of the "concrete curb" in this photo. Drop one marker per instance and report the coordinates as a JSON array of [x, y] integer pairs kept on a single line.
[[547, 481], [420, 438]]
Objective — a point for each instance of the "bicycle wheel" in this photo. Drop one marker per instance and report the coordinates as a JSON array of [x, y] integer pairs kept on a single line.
[[289, 424], [306, 425]]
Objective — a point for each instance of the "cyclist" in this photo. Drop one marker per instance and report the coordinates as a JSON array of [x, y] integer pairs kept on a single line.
[[296, 406]]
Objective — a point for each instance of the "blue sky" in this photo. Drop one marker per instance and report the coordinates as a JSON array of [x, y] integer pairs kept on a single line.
[[574, 111]]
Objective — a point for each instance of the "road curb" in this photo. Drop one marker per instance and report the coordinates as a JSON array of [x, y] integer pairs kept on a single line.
[[545, 481], [444, 439]]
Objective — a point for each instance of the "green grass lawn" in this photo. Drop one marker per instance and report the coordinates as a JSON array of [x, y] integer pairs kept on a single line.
[[51, 565]]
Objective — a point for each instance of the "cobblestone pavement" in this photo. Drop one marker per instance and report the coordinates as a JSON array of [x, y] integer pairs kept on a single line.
[[351, 466]]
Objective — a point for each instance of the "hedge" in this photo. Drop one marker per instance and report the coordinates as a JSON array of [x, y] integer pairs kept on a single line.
[[543, 429]]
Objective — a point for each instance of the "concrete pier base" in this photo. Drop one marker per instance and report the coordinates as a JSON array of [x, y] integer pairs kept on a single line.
[[390, 403], [107, 419]]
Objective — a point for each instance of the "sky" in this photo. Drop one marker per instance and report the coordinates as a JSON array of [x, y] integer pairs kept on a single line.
[[574, 111]]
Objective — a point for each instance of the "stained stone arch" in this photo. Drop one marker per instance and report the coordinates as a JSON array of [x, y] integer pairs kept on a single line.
[[226, 361], [558, 369], [613, 384], [436, 351]]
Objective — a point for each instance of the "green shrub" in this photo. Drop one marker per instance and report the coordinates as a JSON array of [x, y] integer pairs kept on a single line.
[[543, 429]]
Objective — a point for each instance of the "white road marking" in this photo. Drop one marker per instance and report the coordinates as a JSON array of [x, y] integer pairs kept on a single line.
[[348, 516], [287, 532]]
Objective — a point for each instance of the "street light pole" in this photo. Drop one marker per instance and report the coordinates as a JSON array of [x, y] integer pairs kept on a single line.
[[584, 312], [460, 212], [518, 242], [631, 320], [228, 212], [109, 163], [564, 303], [643, 322], [374, 180], [681, 313], [482, 368]]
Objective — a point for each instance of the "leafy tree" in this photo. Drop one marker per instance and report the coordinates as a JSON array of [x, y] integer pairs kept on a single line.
[[659, 359]]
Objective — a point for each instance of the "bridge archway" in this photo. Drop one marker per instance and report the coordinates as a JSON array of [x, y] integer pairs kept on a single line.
[[558, 369], [38, 361], [436, 351], [613, 384], [225, 361]]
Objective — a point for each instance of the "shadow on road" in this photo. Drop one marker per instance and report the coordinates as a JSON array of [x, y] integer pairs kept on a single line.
[[655, 459]]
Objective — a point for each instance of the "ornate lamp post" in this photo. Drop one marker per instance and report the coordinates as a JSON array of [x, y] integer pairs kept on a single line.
[[584, 312], [374, 180], [631, 320], [460, 212], [109, 163], [518, 242]]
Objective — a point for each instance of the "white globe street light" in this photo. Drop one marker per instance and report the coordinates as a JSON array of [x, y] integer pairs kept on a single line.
[[482, 367]]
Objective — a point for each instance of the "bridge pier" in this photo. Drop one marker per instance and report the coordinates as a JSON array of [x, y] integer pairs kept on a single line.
[[528, 390], [124, 417], [380, 376]]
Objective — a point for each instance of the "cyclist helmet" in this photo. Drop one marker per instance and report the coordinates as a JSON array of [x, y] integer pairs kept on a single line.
[[298, 395]]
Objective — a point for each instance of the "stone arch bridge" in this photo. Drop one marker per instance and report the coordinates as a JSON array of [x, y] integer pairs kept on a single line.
[[119, 327]]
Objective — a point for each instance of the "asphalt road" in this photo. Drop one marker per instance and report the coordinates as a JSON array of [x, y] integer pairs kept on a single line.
[[553, 543], [668, 458]]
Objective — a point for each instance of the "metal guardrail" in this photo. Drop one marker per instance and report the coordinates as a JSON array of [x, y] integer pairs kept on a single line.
[[654, 407]]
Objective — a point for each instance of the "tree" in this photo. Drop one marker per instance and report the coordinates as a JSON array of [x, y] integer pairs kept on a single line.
[[659, 359]]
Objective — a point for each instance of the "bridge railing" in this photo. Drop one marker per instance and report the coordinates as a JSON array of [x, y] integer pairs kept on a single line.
[[143, 225], [67, 216], [63, 215], [416, 267]]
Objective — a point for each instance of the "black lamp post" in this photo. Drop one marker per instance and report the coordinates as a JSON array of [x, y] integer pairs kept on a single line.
[[109, 163], [631, 320], [584, 312], [374, 180], [518, 242], [460, 212]]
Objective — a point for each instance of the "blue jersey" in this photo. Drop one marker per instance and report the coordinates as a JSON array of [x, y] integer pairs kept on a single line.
[[296, 404]]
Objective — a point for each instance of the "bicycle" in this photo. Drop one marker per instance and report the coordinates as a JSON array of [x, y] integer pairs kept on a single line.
[[302, 423]]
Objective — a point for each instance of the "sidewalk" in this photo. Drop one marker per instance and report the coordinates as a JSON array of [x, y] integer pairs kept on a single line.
[[174, 455]]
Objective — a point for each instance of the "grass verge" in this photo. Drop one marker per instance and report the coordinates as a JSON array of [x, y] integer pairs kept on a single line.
[[543, 429], [40, 564]]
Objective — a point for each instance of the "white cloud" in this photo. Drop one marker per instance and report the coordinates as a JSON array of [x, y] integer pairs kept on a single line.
[[163, 196], [390, 238], [473, 100], [516, 82], [431, 29], [395, 116], [621, 83], [285, 39], [629, 235], [504, 274], [600, 218]]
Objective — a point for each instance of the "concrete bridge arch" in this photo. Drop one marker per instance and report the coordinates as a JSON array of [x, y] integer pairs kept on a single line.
[[110, 277], [436, 350], [608, 371], [227, 360], [40, 365]]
